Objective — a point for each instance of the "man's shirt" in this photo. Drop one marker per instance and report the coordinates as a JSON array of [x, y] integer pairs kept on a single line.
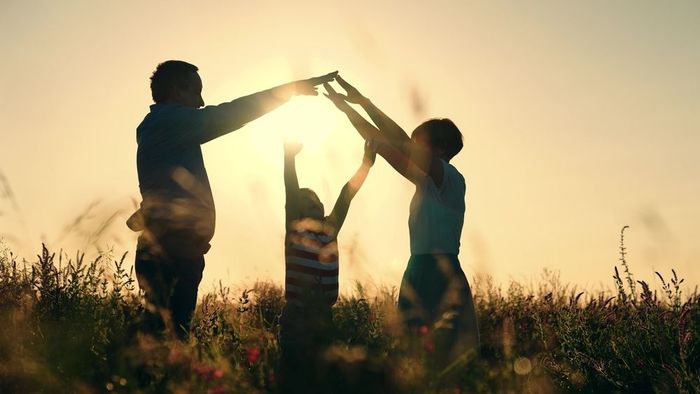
[[178, 205]]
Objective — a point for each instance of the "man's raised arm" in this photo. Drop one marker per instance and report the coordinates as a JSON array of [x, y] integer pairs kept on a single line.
[[205, 124]]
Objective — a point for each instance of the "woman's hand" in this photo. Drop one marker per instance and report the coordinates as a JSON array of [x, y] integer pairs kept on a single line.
[[336, 98], [351, 93]]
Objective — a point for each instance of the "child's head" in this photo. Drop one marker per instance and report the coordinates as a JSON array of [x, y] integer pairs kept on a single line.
[[310, 206], [440, 136]]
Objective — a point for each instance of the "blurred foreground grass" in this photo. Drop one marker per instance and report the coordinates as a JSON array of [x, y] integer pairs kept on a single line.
[[66, 328]]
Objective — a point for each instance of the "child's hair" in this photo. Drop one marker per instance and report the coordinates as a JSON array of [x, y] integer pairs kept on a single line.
[[443, 135], [310, 197]]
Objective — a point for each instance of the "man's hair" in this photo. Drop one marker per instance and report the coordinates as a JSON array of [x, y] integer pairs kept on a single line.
[[443, 135], [168, 75]]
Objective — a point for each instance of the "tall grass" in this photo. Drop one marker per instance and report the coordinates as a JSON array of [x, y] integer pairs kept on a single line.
[[68, 327]]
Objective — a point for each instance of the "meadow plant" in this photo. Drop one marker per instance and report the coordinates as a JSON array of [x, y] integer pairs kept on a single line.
[[70, 326]]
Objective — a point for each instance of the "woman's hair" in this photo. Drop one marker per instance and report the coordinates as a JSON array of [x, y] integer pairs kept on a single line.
[[443, 135], [170, 74]]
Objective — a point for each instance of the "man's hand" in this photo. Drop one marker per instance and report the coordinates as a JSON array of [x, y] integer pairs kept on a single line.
[[292, 148], [307, 87], [351, 93], [336, 98], [370, 153]]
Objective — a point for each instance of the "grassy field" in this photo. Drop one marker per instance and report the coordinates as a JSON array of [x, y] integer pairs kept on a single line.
[[66, 328]]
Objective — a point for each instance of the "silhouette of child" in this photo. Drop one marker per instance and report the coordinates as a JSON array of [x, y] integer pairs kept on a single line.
[[311, 264], [435, 300]]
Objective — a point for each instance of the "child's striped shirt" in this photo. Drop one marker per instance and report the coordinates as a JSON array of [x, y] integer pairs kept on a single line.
[[311, 260]]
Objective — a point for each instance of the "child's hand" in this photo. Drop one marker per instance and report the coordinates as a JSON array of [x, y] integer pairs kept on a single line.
[[370, 152], [292, 148], [352, 94]]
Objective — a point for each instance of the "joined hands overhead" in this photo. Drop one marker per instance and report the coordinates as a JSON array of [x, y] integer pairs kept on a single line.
[[337, 98], [307, 87], [352, 95]]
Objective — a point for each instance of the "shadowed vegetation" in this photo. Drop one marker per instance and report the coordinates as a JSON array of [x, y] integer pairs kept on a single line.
[[68, 328]]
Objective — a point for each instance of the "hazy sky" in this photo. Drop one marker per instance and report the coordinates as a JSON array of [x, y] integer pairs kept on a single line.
[[579, 118]]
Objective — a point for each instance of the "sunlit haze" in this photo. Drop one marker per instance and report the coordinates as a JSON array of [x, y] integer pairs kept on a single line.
[[578, 117]]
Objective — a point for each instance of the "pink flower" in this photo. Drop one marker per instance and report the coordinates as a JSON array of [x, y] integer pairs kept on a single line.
[[174, 356], [423, 330], [217, 374], [252, 354]]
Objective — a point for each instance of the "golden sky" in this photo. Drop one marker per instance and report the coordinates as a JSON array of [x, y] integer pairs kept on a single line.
[[579, 118]]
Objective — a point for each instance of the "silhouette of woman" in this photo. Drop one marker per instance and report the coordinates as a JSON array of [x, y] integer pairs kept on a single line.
[[435, 300]]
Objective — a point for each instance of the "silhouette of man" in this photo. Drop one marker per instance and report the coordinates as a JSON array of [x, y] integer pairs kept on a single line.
[[177, 215]]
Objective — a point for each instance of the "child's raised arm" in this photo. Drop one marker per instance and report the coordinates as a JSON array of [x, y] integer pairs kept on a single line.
[[291, 182], [340, 210]]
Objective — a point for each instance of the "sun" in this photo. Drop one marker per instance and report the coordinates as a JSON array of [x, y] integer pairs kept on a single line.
[[331, 148], [309, 120]]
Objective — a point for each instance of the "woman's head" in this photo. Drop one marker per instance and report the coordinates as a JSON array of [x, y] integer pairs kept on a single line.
[[310, 206], [441, 136]]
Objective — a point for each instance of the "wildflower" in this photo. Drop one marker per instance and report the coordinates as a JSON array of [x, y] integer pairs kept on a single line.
[[217, 374], [174, 356], [423, 330], [252, 354]]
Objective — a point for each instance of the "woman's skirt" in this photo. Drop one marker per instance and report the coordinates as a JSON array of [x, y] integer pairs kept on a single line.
[[436, 303]]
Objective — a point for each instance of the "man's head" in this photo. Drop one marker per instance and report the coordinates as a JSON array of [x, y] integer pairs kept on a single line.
[[175, 81], [440, 136], [310, 206]]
